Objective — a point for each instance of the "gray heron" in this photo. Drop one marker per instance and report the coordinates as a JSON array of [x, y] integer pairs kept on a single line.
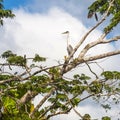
[[69, 47]]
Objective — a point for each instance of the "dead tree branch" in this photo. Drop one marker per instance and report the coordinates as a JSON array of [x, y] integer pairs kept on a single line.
[[92, 58], [97, 42], [63, 70]]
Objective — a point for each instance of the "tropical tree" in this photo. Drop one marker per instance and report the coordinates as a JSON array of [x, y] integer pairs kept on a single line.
[[22, 78]]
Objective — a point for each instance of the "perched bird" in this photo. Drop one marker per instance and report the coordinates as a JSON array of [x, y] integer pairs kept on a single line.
[[69, 47]]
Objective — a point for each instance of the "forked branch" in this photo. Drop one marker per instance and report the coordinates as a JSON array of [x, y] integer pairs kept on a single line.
[[84, 38]]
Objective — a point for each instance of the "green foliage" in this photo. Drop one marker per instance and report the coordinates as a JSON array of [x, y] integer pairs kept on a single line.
[[12, 58], [111, 74], [106, 118], [75, 101], [81, 77], [37, 58], [86, 117], [55, 72], [7, 54], [106, 106], [67, 93], [101, 6], [96, 87], [9, 106], [18, 60], [61, 97], [4, 77], [4, 13]]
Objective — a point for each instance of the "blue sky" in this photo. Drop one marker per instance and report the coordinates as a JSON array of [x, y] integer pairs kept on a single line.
[[77, 8], [37, 28], [10, 4]]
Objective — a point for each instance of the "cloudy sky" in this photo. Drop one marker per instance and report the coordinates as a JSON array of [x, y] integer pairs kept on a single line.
[[37, 28]]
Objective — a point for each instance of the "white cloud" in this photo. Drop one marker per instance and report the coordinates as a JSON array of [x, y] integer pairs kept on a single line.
[[76, 8], [41, 33], [31, 33]]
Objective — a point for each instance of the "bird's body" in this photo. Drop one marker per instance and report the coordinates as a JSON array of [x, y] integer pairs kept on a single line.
[[69, 49]]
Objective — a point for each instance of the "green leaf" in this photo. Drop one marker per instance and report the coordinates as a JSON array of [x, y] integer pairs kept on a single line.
[[52, 100], [106, 118], [4, 77], [106, 106], [111, 75], [38, 58], [4, 13], [81, 77], [76, 101], [101, 6], [17, 60], [10, 105], [86, 117], [62, 97], [7, 54], [107, 75]]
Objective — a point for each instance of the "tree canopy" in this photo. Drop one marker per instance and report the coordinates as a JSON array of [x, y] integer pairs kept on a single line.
[[101, 7], [23, 78], [4, 13]]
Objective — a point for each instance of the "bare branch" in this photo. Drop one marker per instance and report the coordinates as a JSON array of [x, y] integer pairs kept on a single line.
[[92, 44], [92, 58], [91, 70], [86, 97], [63, 112], [84, 38], [100, 56]]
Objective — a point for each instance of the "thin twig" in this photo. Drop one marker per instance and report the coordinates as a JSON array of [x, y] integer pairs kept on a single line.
[[72, 105], [91, 70], [58, 113]]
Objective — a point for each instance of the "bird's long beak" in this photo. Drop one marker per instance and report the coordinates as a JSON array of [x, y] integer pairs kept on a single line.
[[65, 32]]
